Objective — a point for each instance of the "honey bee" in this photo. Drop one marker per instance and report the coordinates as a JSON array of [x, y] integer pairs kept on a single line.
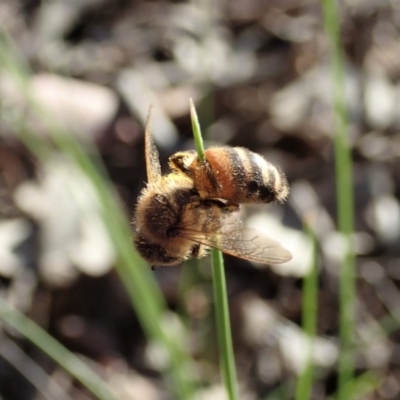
[[174, 223], [235, 174]]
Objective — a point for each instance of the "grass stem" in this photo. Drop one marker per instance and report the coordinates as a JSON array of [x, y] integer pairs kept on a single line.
[[76, 367], [309, 316], [345, 206], [227, 359]]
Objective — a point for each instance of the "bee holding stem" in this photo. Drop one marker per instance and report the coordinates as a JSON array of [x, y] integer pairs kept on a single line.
[[178, 217]]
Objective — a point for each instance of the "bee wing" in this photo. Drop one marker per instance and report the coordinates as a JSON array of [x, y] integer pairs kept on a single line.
[[244, 242], [151, 153]]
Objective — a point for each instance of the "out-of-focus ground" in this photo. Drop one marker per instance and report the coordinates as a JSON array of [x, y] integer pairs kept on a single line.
[[259, 74]]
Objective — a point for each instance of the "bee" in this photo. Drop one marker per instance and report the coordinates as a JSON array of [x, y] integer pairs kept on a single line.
[[173, 222], [235, 174]]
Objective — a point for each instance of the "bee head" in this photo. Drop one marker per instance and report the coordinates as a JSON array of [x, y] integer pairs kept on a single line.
[[163, 211], [154, 253]]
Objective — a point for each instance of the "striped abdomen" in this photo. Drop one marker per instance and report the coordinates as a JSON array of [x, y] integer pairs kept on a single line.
[[238, 175]]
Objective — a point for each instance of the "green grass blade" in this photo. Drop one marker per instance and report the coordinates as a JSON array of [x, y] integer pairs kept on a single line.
[[223, 324], [198, 138], [345, 206], [55, 350], [135, 274], [227, 359], [362, 385], [309, 316], [47, 385]]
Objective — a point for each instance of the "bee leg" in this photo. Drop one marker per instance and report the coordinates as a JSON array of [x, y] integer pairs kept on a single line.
[[222, 204], [193, 204], [178, 162], [195, 251], [194, 201], [232, 207], [199, 251]]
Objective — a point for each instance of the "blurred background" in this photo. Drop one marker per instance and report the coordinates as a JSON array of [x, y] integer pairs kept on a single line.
[[259, 74]]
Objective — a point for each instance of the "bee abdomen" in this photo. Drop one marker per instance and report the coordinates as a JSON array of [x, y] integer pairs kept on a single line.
[[246, 177], [266, 182]]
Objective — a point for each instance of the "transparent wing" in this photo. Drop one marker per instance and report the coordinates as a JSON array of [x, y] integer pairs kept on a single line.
[[243, 242], [151, 153]]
